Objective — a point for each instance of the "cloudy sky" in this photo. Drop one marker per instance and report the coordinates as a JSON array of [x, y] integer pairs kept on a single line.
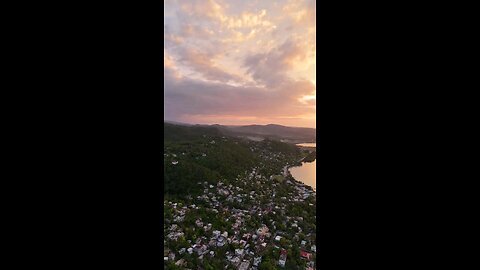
[[239, 62]]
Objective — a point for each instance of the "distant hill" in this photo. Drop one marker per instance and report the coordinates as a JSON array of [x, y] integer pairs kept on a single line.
[[174, 131], [177, 123], [274, 131]]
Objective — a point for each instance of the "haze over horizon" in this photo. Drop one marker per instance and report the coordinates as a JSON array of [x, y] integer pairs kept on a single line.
[[240, 62], [246, 124]]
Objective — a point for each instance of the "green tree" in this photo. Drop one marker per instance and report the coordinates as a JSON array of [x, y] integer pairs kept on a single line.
[[267, 264]]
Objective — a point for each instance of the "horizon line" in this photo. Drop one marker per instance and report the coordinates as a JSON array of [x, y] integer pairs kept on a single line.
[[253, 124]]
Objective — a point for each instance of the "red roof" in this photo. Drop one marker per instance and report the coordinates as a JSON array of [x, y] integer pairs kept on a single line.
[[284, 251], [305, 254]]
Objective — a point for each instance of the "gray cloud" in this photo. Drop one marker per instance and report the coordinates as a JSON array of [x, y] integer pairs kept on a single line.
[[270, 68], [188, 97], [202, 62]]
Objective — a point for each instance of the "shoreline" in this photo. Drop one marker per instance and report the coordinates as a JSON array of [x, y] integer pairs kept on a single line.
[[300, 163], [288, 174]]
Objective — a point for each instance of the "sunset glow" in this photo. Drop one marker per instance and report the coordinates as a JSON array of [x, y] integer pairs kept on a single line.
[[237, 62]]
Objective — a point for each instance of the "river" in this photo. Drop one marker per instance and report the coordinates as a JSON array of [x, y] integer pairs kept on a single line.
[[307, 172]]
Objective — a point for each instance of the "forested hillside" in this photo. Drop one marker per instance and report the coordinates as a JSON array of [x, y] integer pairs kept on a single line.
[[202, 154], [176, 133]]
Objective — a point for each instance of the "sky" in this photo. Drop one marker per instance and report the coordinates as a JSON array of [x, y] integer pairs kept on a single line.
[[240, 62]]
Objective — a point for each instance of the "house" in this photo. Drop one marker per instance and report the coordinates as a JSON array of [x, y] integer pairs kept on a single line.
[[305, 255], [314, 248], [220, 241], [244, 265], [257, 261], [235, 260], [212, 243], [278, 237], [262, 230], [180, 262], [239, 252], [201, 250], [283, 258]]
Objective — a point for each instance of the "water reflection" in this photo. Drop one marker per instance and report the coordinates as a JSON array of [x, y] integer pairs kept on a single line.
[[307, 144], [306, 173]]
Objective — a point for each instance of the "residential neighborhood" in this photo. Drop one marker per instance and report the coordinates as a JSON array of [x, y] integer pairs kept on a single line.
[[250, 223], [231, 203]]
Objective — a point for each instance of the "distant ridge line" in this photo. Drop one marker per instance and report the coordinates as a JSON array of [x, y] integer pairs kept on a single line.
[[253, 132], [233, 126]]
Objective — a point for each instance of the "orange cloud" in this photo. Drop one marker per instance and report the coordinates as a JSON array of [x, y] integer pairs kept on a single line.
[[238, 64]]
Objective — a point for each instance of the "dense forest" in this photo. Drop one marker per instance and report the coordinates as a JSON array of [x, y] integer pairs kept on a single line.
[[311, 157], [195, 154]]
